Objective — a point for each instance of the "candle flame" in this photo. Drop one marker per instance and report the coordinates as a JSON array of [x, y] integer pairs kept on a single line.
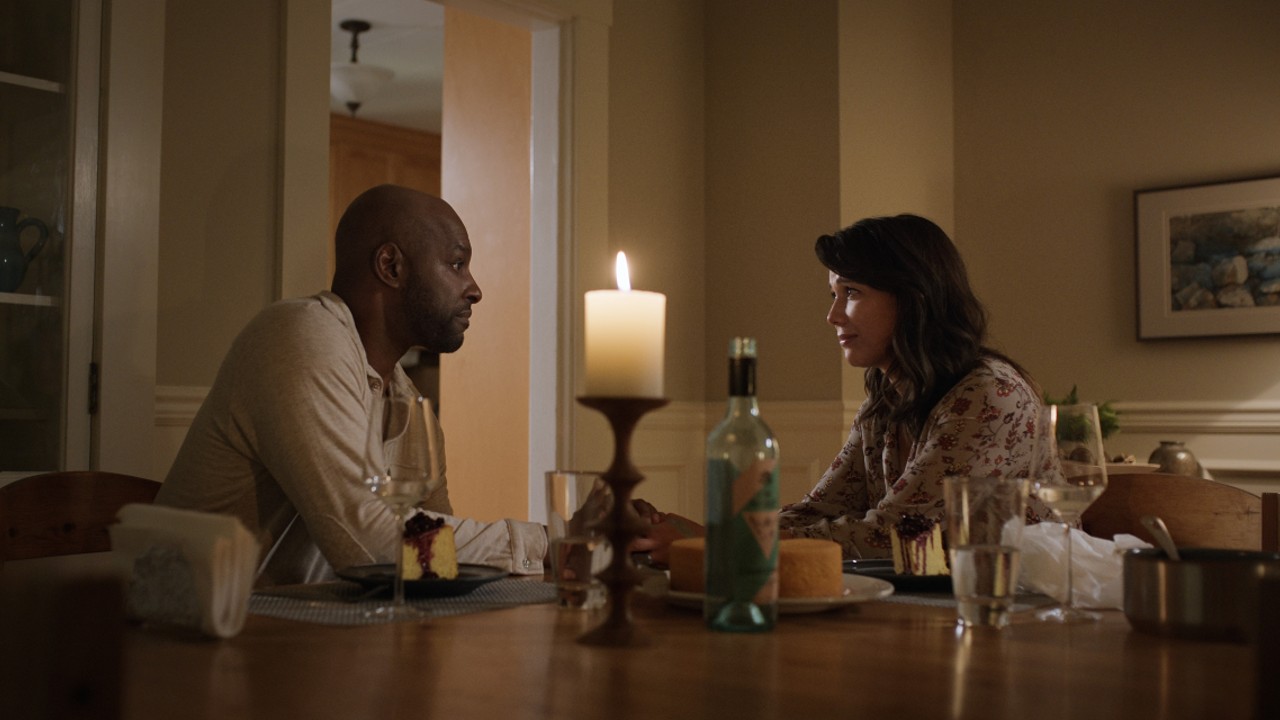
[[623, 274]]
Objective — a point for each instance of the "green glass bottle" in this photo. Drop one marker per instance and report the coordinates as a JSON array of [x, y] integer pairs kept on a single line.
[[742, 507]]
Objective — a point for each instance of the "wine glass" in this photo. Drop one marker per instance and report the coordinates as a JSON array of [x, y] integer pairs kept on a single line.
[[402, 481], [1070, 472]]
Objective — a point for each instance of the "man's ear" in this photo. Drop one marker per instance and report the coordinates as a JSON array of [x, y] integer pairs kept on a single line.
[[389, 264]]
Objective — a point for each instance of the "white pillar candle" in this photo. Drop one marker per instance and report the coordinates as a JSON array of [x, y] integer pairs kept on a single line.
[[625, 338]]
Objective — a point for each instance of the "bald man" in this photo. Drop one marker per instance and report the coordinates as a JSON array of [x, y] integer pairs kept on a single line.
[[283, 439]]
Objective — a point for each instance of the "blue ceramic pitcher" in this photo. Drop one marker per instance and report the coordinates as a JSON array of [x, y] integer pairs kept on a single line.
[[13, 261]]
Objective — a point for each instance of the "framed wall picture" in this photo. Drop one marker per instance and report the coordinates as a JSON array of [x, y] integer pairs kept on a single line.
[[1208, 259]]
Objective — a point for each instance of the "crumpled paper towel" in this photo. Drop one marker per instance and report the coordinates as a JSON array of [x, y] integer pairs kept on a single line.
[[185, 568], [1097, 565]]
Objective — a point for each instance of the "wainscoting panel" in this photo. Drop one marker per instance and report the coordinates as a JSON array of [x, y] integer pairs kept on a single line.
[[809, 436], [669, 449]]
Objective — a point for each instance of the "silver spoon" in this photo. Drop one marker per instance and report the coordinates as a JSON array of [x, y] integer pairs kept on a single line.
[[1161, 533]]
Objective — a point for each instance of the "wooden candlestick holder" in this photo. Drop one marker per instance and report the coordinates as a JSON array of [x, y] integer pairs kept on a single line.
[[621, 525]]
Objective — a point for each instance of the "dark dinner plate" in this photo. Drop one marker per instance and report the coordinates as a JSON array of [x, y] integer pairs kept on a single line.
[[883, 569], [469, 578]]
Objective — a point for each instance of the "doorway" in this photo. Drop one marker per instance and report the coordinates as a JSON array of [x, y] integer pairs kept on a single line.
[[499, 393]]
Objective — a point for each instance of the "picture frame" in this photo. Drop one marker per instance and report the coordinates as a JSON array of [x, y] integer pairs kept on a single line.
[[1208, 259]]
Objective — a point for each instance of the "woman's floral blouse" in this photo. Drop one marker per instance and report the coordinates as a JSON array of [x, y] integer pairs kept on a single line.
[[982, 426]]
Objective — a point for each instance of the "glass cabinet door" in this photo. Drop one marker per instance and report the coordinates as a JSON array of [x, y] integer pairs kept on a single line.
[[47, 186]]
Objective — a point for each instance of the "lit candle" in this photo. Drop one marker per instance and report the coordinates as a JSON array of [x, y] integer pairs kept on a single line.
[[626, 331]]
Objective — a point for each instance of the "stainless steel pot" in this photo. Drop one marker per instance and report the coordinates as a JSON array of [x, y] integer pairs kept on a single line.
[[1211, 594]]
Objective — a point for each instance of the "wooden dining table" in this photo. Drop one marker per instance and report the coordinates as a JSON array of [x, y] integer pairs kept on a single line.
[[903, 658], [873, 660]]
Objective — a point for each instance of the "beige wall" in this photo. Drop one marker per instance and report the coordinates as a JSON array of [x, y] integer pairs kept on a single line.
[[218, 196], [657, 216], [588, 264], [896, 149], [484, 387], [303, 233], [896, 90], [773, 183], [1063, 110], [656, 170]]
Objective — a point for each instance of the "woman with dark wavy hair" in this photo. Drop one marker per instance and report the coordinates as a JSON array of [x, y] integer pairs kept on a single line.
[[939, 401]]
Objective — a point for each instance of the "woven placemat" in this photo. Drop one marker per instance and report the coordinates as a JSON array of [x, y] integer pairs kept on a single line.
[[344, 603]]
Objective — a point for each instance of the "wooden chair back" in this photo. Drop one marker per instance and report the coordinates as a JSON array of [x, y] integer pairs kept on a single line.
[[1271, 522], [1198, 512], [65, 513], [1267, 647]]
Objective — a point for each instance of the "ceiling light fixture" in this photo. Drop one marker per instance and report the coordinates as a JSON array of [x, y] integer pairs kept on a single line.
[[353, 83]]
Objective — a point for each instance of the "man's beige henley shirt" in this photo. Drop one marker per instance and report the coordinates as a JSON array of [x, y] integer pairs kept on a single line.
[[283, 442]]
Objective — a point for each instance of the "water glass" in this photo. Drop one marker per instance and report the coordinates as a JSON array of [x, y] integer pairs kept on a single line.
[[577, 502], [985, 518]]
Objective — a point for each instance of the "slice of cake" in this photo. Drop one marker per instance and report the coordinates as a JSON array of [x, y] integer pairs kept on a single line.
[[429, 549], [809, 568], [917, 547]]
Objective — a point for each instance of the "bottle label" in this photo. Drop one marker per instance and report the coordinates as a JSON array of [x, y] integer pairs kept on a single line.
[[743, 550]]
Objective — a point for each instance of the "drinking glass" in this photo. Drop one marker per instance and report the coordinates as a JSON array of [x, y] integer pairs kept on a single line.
[[985, 517], [1070, 472], [402, 482], [577, 503]]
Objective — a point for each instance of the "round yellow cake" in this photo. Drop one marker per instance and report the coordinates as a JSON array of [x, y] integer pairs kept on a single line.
[[807, 567]]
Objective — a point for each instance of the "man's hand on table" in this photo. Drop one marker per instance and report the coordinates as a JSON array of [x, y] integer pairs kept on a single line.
[[663, 529]]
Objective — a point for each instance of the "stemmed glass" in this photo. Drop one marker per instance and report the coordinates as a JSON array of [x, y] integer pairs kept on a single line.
[[1070, 472], [402, 482]]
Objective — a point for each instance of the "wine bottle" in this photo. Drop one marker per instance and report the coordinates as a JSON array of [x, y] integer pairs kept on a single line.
[[741, 561]]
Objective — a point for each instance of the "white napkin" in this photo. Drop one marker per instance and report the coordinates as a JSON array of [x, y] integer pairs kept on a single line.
[[185, 568], [1097, 566]]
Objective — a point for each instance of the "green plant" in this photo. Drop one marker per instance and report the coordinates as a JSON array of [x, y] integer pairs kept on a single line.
[[1108, 417]]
